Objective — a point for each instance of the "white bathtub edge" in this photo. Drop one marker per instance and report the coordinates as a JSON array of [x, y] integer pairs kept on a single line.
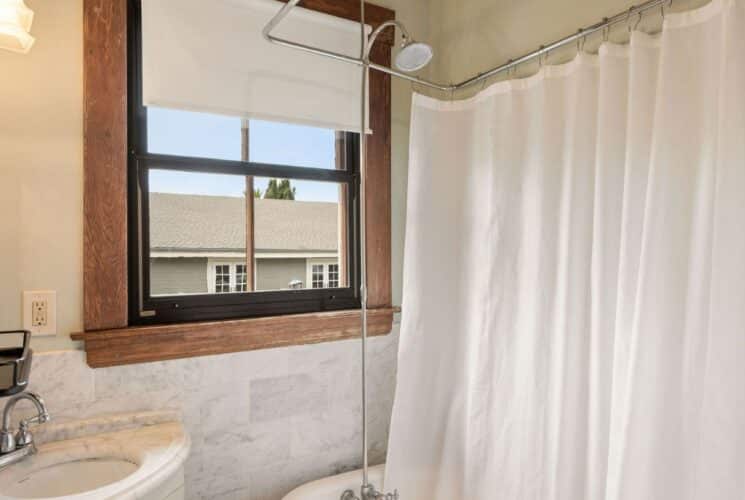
[[331, 488]]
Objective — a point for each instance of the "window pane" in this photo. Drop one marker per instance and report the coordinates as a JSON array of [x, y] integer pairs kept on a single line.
[[240, 278], [295, 145], [333, 275], [222, 278], [299, 231], [204, 135], [317, 276], [187, 133], [198, 224], [197, 233]]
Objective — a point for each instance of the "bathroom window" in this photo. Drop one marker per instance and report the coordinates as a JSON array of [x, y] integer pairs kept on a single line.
[[238, 217], [220, 216], [123, 292]]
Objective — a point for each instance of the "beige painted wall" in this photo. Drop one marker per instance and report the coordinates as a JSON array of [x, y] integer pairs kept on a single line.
[[474, 35], [413, 13], [41, 183], [471, 36], [41, 165]]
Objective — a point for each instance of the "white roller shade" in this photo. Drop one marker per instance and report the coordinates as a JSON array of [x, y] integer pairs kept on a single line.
[[210, 56]]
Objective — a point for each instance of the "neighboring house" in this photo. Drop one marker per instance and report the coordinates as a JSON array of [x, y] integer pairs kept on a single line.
[[197, 244]]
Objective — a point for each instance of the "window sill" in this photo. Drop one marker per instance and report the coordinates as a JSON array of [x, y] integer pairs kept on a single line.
[[144, 344]]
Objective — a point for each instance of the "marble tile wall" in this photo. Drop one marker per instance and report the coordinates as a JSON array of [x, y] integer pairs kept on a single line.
[[261, 422]]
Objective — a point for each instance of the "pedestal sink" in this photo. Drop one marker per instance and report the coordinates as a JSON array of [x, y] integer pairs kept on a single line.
[[115, 457], [71, 478]]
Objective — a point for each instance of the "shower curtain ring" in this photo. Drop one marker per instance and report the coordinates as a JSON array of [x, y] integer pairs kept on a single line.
[[662, 8], [541, 57], [638, 21], [581, 43], [606, 29]]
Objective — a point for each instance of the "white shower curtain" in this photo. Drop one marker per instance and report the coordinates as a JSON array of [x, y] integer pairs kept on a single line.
[[574, 285]]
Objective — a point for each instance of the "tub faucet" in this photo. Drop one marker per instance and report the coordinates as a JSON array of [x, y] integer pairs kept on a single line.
[[17, 445], [369, 493], [372, 494]]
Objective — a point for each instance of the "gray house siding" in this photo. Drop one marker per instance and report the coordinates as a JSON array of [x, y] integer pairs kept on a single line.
[[172, 276], [176, 275], [276, 274]]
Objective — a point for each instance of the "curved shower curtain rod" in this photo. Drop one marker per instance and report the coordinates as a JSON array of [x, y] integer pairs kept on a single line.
[[605, 24]]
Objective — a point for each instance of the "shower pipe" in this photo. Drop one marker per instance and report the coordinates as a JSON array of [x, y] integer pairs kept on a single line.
[[367, 491]]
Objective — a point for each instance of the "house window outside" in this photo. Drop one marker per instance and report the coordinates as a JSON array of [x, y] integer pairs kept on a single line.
[[226, 277], [222, 278], [317, 276], [333, 276], [324, 273], [240, 278]]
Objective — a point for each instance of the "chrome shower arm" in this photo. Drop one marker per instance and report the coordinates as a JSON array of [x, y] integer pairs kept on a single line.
[[374, 35]]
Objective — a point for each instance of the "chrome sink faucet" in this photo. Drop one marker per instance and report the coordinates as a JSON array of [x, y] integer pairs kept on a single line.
[[17, 445]]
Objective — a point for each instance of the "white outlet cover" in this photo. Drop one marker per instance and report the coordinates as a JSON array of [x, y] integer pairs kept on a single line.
[[50, 296]]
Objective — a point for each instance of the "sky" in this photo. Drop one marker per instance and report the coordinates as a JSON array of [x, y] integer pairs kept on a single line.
[[214, 136]]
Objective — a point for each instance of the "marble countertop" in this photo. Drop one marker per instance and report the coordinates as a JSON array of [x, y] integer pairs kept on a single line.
[[155, 441]]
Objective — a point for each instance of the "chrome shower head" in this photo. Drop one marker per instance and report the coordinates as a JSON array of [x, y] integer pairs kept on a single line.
[[413, 56]]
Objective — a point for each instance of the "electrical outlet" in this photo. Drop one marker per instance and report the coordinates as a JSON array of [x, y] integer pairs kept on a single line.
[[40, 312]]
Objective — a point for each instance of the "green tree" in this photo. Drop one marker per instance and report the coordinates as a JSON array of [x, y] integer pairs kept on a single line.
[[279, 189], [257, 193]]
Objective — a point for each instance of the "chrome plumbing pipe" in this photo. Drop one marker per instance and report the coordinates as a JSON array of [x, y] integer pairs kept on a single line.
[[363, 243]]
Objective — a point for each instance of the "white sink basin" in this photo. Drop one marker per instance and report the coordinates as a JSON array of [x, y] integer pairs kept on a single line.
[[71, 478], [133, 456]]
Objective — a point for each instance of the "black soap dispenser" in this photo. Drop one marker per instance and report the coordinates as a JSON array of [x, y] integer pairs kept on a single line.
[[15, 361]]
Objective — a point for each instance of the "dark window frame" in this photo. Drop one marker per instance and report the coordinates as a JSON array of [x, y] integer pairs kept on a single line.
[[145, 309]]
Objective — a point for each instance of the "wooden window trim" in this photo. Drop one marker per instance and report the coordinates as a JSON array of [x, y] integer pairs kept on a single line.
[[144, 344], [109, 340]]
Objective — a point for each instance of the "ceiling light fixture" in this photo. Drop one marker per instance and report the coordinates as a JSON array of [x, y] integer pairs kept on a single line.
[[15, 24]]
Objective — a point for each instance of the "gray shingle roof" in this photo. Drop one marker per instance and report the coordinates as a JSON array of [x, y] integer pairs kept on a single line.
[[217, 223]]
